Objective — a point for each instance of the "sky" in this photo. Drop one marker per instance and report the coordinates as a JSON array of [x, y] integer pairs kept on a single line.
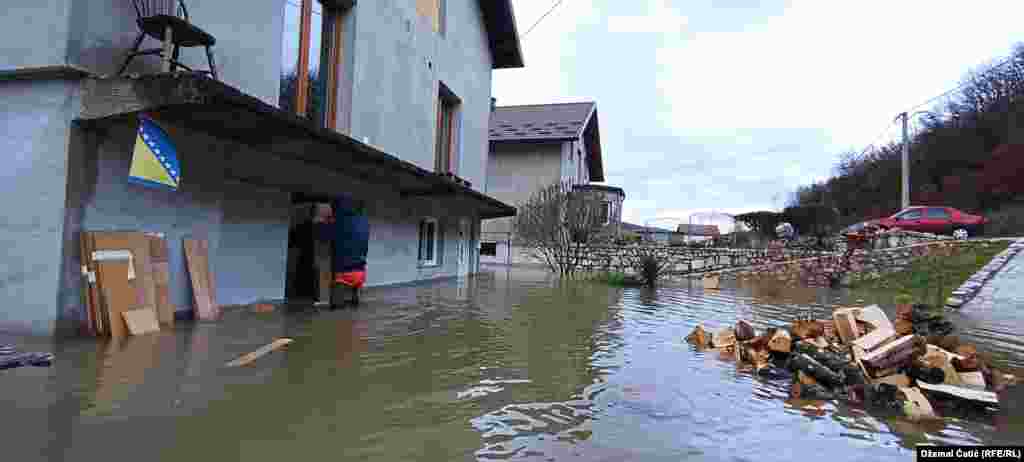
[[727, 106]]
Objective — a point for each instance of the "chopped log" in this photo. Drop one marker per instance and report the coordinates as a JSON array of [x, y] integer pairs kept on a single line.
[[875, 317], [969, 394], [892, 354], [904, 327], [810, 392], [824, 375], [820, 342], [899, 380], [805, 378], [724, 338], [699, 337], [712, 282], [875, 338], [925, 373], [828, 359], [828, 329], [262, 351], [917, 407], [756, 357], [846, 325], [966, 364], [781, 341], [938, 358], [807, 328], [974, 379], [744, 331]]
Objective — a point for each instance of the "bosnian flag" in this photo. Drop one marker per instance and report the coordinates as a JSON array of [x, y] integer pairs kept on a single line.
[[154, 160]]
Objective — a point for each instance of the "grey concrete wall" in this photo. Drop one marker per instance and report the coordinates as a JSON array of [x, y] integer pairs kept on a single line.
[[248, 50], [35, 33], [399, 62], [34, 139], [516, 170]]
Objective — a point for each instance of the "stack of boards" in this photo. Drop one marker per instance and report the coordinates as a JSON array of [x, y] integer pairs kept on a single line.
[[127, 277]]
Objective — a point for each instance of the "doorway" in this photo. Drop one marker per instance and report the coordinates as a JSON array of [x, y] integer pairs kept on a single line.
[[309, 260], [465, 233]]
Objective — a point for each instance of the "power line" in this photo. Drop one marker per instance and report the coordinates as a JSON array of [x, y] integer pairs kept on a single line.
[[555, 5], [962, 84]]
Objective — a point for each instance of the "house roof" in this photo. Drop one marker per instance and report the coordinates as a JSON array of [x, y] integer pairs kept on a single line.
[[551, 122], [643, 229], [502, 35], [601, 187], [698, 230]]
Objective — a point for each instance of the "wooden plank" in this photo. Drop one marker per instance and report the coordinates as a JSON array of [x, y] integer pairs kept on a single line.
[[875, 338], [89, 288], [919, 407], [874, 316], [118, 293], [195, 256], [899, 380], [262, 351], [160, 258], [845, 324], [141, 321], [894, 351], [961, 392]]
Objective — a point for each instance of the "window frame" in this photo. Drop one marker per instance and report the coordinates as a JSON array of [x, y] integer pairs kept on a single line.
[[331, 56], [493, 245], [447, 135], [435, 259], [606, 210]]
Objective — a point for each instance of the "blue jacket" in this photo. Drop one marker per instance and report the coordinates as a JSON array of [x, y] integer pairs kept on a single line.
[[350, 234]]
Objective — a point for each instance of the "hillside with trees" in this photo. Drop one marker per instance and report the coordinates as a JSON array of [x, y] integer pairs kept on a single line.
[[968, 153]]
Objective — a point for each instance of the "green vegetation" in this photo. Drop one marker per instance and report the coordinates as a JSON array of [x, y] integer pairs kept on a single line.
[[931, 280], [612, 278]]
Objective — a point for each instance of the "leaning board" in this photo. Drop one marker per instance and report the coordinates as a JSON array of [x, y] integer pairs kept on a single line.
[[197, 257]]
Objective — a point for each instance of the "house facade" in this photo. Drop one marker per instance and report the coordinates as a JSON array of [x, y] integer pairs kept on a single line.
[[385, 101], [533, 146]]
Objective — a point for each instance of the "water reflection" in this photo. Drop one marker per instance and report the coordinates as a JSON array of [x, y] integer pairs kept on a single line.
[[509, 365]]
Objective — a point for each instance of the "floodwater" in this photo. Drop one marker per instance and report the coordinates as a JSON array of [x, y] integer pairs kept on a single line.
[[510, 365]]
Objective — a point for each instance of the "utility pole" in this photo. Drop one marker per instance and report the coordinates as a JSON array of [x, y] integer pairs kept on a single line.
[[905, 195]]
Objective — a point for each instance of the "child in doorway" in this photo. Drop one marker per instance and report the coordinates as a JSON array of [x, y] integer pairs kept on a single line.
[[348, 230]]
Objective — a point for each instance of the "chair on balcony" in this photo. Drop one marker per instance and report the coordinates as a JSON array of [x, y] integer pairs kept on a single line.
[[156, 18]]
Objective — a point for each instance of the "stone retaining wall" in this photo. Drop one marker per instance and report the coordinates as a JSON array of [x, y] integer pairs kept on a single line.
[[845, 268], [682, 260]]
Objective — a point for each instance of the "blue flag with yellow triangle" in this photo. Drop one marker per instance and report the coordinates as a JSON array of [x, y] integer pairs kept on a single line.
[[154, 160]]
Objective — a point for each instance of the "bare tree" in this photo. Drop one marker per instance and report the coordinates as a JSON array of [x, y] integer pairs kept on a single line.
[[557, 224]]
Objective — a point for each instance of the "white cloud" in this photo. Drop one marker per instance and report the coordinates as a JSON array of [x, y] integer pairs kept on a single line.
[[660, 19]]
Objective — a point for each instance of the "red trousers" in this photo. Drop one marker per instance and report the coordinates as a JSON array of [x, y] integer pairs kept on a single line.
[[353, 279]]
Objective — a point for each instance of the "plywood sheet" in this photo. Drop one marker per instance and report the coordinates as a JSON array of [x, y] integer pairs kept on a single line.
[[197, 257], [141, 321], [139, 245], [118, 292]]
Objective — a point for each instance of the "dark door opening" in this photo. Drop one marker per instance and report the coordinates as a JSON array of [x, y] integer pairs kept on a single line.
[[309, 260]]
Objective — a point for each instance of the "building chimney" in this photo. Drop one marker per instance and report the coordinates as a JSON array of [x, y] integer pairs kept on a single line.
[[494, 103]]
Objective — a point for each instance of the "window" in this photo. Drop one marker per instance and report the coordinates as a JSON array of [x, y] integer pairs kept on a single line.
[[310, 60], [489, 249], [910, 215], [428, 255], [938, 213], [434, 10], [445, 159], [606, 212]]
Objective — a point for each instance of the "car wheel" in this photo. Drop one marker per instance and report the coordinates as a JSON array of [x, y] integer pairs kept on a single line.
[[961, 233]]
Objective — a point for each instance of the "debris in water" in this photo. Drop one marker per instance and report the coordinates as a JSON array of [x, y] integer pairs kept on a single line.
[[262, 351], [699, 337]]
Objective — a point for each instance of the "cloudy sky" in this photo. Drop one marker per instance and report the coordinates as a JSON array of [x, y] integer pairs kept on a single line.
[[728, 105]]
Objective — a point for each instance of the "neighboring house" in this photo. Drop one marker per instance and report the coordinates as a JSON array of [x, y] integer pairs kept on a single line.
[[531, 147], [386, 100], [649, 233], [611, 199], [697, 233]]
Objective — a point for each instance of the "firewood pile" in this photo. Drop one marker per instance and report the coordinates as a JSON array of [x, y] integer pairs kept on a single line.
[[859, 356]]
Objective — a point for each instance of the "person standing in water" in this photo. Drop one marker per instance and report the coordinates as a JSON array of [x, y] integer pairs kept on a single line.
[[348, 230]]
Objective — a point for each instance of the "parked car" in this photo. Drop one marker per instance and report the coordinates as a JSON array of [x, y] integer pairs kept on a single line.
[[936, 220]]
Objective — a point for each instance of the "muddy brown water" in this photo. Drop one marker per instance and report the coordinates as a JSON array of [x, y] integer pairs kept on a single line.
[[510, 365]]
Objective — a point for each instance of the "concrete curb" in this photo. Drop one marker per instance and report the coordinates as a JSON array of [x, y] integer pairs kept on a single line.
[[970, 288]]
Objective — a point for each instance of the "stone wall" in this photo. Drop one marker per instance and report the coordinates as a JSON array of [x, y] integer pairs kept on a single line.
[[844, 268], [682, 260]]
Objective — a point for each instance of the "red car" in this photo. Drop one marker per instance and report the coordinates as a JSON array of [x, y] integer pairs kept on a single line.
[[937, 220]]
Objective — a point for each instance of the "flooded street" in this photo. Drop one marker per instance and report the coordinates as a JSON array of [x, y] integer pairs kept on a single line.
[[509, 365]]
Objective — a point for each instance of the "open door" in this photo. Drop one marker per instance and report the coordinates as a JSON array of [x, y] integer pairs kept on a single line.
[[465, 233]]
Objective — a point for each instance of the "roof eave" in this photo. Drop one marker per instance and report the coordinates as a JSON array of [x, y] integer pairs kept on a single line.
[[502, 34], [594, 157]]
